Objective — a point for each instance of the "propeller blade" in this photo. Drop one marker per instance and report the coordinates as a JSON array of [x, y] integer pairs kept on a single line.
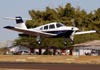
[[73, 22]]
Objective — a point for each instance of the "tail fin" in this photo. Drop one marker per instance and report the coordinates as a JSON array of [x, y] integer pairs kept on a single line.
[[20, 22]]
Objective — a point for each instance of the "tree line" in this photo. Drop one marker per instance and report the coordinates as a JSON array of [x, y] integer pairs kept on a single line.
[[83, 20]]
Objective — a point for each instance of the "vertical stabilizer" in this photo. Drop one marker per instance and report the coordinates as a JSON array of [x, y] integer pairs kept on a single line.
[[20, 22]]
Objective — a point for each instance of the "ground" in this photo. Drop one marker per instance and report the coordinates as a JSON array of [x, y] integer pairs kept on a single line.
[[51, 59]]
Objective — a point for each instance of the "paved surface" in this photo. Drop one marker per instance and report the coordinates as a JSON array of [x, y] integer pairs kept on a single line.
[[48, 66]]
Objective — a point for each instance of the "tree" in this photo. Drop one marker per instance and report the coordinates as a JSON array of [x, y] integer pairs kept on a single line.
[[83, 20]]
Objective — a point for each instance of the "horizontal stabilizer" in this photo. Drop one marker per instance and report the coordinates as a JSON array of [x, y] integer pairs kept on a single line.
[[11, 18], [8, 27]]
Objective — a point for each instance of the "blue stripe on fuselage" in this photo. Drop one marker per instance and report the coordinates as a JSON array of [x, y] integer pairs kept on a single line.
[[64, 33]]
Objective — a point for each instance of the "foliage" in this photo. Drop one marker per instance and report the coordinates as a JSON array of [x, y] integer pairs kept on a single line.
[[83, 20]]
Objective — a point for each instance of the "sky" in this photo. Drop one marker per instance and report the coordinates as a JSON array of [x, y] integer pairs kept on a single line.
[[12, 8]]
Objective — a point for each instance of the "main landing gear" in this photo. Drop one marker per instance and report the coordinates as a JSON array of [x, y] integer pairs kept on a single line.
[[38, 39], [68, 41]]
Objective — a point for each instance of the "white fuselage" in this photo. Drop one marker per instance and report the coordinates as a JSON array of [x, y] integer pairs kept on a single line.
[[56, 28]]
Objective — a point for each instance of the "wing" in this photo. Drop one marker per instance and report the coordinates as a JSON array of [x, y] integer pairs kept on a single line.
[[30, 31], [85, 32]]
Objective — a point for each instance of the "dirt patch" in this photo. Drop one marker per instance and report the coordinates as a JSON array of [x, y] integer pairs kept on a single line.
[[50, 59], [17, 69]]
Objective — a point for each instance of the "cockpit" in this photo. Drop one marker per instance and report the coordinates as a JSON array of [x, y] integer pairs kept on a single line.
[[52, 26]]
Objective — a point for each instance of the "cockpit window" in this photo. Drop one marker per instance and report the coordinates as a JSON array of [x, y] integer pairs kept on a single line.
[[59, 25], [45, 27], [51, 26]]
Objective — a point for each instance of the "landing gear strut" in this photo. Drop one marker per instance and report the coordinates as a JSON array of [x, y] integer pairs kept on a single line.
[[65, 41], [38, 39]]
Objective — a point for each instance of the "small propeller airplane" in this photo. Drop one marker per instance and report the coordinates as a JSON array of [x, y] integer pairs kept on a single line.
[[51, 30]]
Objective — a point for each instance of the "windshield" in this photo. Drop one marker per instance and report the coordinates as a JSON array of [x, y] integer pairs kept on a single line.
[[59, 25]]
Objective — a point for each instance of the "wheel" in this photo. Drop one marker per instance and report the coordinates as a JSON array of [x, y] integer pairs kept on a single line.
[[72, 42], [65, 43], [39, 42]]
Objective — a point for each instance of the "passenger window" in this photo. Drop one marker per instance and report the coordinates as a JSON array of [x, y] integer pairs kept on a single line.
[[41, 28], [45, 27], [51, 26]]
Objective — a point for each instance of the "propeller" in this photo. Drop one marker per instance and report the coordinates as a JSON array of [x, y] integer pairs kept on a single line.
[[74, 28], [73, 22], [72, 35]]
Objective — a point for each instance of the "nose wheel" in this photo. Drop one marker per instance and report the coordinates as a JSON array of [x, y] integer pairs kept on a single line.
[[65, 43], [72, 42]]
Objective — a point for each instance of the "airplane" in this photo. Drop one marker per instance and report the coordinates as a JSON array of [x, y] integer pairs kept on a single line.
[[50, 30]]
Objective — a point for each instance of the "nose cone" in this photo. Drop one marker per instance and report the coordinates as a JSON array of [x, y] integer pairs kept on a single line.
[[75, 28]]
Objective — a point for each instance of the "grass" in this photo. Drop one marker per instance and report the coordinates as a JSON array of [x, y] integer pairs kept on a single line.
[[51, 59]]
